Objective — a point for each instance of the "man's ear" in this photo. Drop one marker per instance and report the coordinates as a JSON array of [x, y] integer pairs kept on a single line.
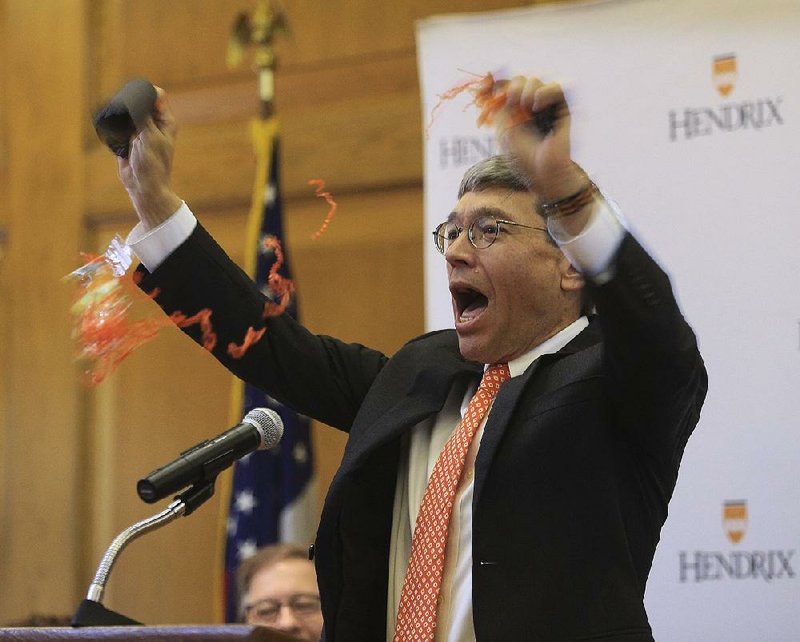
[[571, 279]]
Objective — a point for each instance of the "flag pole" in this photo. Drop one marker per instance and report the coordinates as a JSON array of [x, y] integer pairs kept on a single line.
[[257, 33]]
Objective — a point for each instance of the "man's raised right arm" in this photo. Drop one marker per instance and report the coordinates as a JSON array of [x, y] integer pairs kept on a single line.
[[219, 306]]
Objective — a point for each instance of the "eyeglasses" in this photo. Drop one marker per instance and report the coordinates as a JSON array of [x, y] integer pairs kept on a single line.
[[266, 611], [482, 232]]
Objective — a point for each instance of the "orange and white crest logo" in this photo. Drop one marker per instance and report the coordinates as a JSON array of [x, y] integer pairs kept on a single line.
[[734, 519], [724, 74]]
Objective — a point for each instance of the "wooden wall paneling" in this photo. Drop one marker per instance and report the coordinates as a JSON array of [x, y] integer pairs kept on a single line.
[[5, 291], [3, 122], [166, 397], [322, 33], [41, 513], [182, 42], [106, 51], [368, 135]]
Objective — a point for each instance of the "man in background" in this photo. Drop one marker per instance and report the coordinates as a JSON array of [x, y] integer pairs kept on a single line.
[[277, 588]]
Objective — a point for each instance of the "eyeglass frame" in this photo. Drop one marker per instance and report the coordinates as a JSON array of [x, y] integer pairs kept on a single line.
[[279, 604], [471, 228]]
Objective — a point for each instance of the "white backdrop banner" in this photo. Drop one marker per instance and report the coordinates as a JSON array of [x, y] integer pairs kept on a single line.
[[687, 113]]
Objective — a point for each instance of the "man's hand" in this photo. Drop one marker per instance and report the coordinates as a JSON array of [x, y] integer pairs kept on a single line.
[[147, 172], [544, 155]]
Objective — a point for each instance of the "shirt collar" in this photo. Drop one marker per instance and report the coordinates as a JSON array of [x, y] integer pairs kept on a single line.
[[553, 344]]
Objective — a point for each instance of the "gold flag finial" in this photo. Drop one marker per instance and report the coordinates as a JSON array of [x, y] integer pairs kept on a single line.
[[260, 31]]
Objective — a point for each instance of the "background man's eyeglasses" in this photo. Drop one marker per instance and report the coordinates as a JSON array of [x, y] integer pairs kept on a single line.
[[266, 611], [482, 232]]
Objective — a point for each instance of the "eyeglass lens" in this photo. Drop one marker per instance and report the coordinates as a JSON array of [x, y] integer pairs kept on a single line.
[[482, 232], [267, 610]]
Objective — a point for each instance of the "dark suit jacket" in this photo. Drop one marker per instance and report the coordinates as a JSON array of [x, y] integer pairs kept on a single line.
[[578, 460]]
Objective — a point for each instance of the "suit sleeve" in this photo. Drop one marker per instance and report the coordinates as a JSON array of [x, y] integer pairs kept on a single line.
[[318, 376], [655, 374]]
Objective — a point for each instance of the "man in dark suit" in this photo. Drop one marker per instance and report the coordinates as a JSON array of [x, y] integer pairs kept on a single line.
[[461, 512]]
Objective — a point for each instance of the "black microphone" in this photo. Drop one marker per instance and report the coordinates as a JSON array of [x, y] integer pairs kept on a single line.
[[261, 429]]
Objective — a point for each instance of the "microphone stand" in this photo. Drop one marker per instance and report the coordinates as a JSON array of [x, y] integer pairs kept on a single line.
[[91, 611]]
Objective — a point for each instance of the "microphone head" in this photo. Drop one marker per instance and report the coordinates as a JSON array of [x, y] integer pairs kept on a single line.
[[269, 426]]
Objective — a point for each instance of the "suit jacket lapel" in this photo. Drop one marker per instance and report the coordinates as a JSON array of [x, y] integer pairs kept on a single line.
[[424, 396], [496, 425], [509, 395]]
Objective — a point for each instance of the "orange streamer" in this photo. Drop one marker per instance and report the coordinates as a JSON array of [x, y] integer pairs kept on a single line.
[[106, 335], [280, 287], [203, 317], [252, 337], [329, 199], [137, 279], [470, 85], [103, 330], [487, 96]]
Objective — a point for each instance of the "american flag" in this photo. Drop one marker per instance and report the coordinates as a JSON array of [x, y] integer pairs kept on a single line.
[[272, 494]]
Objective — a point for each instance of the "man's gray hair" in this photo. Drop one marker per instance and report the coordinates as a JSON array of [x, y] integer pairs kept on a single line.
[[496, 171]]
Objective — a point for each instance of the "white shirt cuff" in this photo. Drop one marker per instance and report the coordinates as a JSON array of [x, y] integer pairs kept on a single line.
[[153, 246], [591, 251]]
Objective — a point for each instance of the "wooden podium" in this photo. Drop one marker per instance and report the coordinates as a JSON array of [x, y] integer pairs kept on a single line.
[[221, 633]]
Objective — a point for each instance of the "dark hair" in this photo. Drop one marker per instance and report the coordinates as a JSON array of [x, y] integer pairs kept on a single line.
[[503, 171], [264, 558]]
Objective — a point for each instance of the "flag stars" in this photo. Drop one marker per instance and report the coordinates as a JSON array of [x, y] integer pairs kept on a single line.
[[247, 548], [270, 192], [300, 453], [245, 502]]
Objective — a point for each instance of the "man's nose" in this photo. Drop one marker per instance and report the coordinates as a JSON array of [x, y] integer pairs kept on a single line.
[[461, 250], [287, 620]]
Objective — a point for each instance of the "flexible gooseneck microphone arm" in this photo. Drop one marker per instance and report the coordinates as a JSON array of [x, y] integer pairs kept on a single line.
[[91, 611]]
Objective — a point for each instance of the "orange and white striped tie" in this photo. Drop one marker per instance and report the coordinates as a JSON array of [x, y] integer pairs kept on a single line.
[[416, 616]]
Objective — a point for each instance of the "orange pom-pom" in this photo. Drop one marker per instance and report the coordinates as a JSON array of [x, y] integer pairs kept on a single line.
[[103, 329]]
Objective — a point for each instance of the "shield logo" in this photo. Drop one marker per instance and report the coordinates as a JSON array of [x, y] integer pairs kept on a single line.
[[734, 519], [724, 73]]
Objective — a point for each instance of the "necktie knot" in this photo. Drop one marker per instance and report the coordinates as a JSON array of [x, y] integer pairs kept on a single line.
[[495, 375]]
